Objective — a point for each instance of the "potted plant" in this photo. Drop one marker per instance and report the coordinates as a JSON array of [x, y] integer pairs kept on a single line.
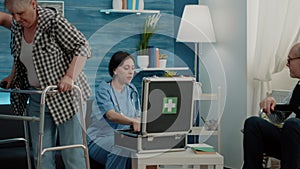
[[149, 29], [163, 60]]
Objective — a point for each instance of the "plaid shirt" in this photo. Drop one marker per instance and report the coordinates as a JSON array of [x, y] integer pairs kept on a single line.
[[56, 42]]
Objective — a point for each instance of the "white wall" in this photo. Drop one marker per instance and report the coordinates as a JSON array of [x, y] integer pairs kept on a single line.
[[282, 80], [229, 19], [252, 14]]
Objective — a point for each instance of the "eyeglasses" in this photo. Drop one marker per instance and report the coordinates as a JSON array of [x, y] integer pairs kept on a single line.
[[290, 59]]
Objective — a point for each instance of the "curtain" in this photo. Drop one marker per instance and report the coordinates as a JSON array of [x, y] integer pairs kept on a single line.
[[278, 25]]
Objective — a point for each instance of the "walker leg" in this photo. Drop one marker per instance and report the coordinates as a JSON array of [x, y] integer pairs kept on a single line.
[[27, 144], [86, 156], [39, 160], [41, 131], [82, 119]]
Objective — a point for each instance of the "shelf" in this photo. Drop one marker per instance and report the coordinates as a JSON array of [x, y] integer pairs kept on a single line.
[[167, 68], [138, 12], [201, 131], [208, 96]]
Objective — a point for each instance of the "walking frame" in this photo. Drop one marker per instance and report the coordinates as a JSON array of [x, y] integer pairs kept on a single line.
[[25, 119]]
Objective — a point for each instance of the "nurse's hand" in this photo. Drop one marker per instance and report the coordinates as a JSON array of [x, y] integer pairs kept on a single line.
[[136, 123]]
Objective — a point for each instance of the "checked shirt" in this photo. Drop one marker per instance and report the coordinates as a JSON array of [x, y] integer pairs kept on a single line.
[[55, 44]]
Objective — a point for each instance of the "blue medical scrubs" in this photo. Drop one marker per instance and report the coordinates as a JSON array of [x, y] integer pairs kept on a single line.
[[100, 133]]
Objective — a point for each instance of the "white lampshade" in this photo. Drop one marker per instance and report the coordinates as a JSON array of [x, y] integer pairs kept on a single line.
[[196, 25]]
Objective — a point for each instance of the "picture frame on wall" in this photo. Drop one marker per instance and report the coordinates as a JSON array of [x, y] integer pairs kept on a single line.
[[58, 5]]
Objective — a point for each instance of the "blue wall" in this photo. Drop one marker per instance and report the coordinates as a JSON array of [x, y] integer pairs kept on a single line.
[[110, 33]]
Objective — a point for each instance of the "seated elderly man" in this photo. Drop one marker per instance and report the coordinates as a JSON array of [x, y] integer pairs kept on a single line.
[[261, 136]]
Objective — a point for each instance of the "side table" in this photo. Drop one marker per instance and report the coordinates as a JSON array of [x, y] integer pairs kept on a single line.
[[187, 157]]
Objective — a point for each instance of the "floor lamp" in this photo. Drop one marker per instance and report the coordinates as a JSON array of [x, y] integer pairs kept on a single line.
[[196, 27]]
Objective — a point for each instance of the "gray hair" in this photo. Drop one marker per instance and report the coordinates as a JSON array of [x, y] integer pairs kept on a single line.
[[12, 5]]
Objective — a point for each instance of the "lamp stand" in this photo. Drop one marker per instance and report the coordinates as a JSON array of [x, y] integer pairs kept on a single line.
[[197, 76], [196, 62]]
